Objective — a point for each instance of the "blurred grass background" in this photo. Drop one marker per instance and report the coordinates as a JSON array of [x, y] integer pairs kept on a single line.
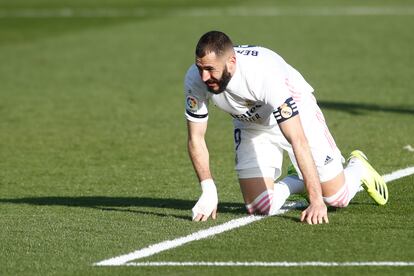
[[92, 133]]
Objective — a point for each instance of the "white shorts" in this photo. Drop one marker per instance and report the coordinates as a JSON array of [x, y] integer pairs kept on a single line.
[[259, 150]]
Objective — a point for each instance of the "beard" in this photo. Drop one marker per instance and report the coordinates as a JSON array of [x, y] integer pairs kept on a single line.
[[221, 83]]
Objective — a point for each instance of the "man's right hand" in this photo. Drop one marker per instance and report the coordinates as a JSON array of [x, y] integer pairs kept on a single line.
[[206, 205]]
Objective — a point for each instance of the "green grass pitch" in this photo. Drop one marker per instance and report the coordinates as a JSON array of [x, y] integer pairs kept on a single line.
[[93, 160]]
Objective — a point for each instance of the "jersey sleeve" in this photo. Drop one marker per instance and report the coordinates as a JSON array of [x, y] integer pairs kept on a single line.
[[196, 101], [275, 92]]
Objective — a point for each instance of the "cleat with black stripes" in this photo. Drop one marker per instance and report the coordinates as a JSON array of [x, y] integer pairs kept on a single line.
[[372, 182]]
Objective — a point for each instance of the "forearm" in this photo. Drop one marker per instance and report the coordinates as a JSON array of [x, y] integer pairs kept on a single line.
[[293, 131], [206, 205], [198, 152], [307, 167]]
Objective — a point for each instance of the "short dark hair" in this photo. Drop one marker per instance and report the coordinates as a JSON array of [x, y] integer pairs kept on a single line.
[[213, 42]]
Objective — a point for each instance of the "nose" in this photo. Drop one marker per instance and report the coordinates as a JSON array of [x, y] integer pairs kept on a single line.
[[205, 75]]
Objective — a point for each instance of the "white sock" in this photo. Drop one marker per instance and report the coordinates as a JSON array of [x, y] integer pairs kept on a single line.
[[354, 172], [261, 204], [283, 189], [353, 175]]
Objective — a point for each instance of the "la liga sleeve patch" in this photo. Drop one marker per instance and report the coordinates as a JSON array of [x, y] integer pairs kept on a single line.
[[286, 111], [193, 109], [192, 103]]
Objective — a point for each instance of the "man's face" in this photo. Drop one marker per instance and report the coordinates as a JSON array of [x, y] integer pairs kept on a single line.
[[214, 72]]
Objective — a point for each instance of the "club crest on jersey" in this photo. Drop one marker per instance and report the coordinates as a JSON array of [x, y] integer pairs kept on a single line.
[[192, 103]]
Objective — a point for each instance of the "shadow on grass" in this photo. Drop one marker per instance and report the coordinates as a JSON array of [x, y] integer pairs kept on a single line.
[[124, 204], [296, 218], [358, 108], [132, 205]]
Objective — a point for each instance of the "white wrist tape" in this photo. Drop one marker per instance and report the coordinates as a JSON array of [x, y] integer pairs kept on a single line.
[[208, 186], [208, 200]]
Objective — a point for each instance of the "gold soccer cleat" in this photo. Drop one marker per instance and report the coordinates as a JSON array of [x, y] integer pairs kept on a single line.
[[373, 183]]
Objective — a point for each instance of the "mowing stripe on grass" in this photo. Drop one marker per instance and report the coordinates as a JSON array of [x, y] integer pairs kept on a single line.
[[209, 11], [274, 264], [212, 231]]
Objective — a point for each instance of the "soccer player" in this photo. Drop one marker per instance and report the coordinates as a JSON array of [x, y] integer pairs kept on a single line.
[[273, 110]]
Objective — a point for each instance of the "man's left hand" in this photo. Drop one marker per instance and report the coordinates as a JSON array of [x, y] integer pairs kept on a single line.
[[316, 213]]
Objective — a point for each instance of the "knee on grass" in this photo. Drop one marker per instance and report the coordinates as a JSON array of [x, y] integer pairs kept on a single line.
[[340, 199], [261, 205]]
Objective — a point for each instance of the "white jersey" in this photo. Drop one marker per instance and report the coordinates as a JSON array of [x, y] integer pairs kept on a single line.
[[262, 83]]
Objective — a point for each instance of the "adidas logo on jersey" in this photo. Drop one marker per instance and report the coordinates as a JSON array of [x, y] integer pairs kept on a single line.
[[328, 160]]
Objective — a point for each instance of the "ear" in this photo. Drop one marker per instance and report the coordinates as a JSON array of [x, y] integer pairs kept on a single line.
[[231, 63], [232, 59]]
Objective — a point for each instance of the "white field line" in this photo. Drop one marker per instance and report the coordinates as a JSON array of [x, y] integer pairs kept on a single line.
[[398, 174], [271, 264], [212, 231], [215, 230], [269, 11]]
